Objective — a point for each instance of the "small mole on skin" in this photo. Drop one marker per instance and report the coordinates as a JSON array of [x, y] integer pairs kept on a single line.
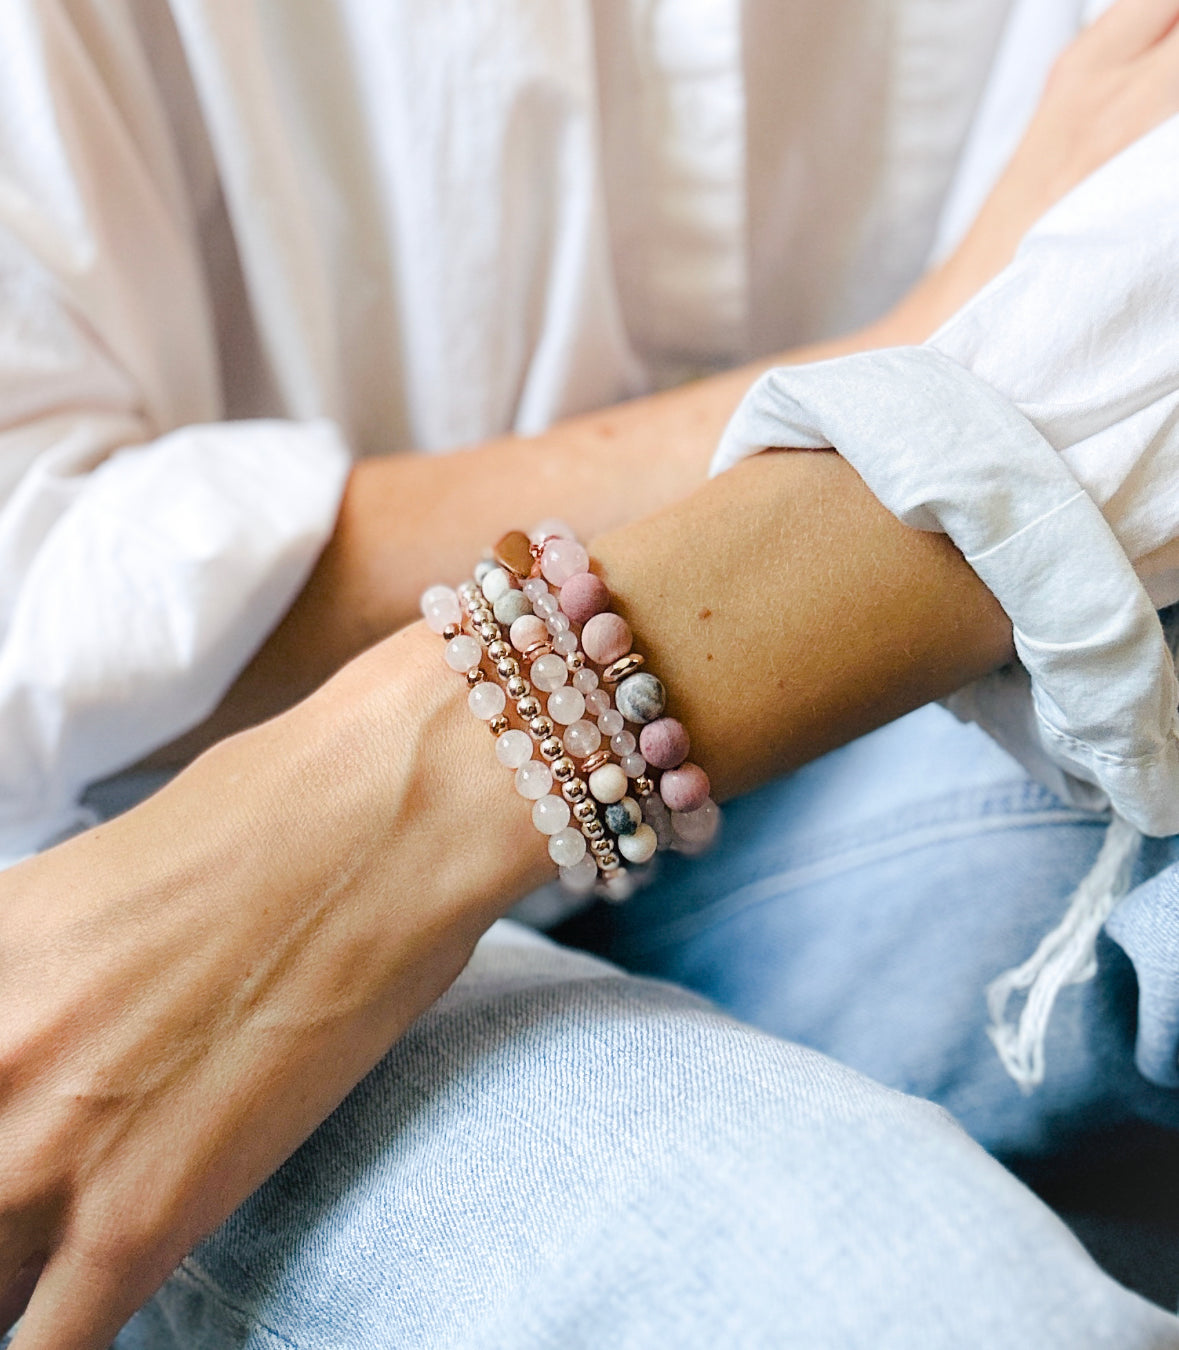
[[709, 657], [704, 614]]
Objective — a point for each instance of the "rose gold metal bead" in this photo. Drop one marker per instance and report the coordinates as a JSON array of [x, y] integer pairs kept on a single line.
[[452, 630], [585, 810], [481, 612], [551, 747], [607, 862], [529, 707], [575, 790], [593, 829], [517, 687], [643, 786], [601, 846], [538, 649], [620, 669], [575, 660], [488, 631], [508, 667], [499, 724], [564, 770], [499, 649], [541, 728], [595, 761], [476, 675], [468, 590]]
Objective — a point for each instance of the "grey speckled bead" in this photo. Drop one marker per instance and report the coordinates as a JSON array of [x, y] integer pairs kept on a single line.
[[620, 819], [512, 605], [640, 697]]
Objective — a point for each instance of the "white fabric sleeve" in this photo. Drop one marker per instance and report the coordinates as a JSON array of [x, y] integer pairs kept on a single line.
[[1039, 429], [146, 547]]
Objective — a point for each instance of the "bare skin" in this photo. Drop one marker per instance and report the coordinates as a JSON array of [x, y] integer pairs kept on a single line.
[[210, 973]]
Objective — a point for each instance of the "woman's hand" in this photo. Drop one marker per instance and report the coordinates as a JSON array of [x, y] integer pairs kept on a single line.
[[194, 986]]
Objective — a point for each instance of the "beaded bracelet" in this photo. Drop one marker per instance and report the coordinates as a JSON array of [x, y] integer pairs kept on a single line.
[[575, 651]]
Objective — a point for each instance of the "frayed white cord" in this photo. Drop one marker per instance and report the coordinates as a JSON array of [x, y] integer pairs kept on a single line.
[[1066, 956]]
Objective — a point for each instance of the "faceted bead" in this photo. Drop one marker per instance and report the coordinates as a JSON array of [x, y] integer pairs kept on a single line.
[[582, 738], [513, 553], [562, 559], [463, 652], [549, 672], [440, 606], [513, 749], [585, 681], [697, 827], [566, 705], [583, 596], [557, 623], [624, 817], [580, 878], [550, 814], [545, 605], [623, 743], [639, 846], [608, 784], [597, 702], [610, 723], [641, 697], [525, 631], [496, 583], [533, 779], [685, 788], [510, 606], [550, 527], [664, 742], [486, 700], [567, 847], [565, 643], [534, 588], [605, 638], [634, 766]]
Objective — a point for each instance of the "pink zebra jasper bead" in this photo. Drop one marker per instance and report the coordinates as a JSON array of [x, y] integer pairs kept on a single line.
[[605, 638], [664, 744], [685, 788], [583, 596]]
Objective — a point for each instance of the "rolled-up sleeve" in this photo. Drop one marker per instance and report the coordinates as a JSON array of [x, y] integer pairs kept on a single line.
[[1039, 430], [146, 546]]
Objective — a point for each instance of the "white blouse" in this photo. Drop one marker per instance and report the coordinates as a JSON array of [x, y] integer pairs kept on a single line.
[[239, 248]]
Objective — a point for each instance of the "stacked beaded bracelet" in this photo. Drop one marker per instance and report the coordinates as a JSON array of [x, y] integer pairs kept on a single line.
[[620, 804]]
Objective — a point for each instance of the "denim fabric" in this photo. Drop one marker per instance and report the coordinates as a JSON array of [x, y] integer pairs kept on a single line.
[[559, 1155], [862, 905]]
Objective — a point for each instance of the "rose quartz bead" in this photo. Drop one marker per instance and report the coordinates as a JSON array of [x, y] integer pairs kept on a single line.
[[664, 743], [685, 788], [605, 638], [597, 701], [547, 528], [526, 630], [583, 596], [562, 559]]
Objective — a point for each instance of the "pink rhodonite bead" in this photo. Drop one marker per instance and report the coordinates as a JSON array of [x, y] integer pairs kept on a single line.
[[685, 788], [563, 559], [664, 744], [605, 638], [583, 596]]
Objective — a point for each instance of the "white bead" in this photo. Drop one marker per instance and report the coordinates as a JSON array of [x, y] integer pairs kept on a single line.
[[623, 743], [565, 643], [496, 583], [581, 739], [487, 700], [620, 886], [535, 587], [482, 568], [567, 847], [597, 702], [533, 779], [585, 681], [440, 606], [513, 748], [558, 623], [566, 705], [634, 766], [608, 784], [463, 652], [545, 605], [549, 673], [580, 878], [611, 722], [640, 846], [550, 814]]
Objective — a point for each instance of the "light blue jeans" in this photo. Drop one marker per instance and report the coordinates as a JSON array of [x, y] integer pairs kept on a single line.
[[561, 1154]]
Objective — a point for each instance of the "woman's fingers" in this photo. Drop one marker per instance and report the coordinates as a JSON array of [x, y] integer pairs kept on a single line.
[[1129, 28]]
